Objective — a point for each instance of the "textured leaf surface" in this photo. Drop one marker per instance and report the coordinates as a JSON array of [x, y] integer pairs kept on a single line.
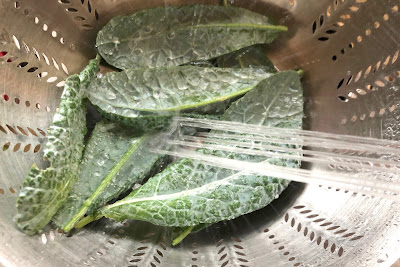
[[144, 98], [188, 193], [114, 160], [173, 36], [44, 191]]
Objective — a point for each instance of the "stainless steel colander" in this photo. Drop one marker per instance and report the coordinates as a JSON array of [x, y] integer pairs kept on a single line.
[[349, 50]]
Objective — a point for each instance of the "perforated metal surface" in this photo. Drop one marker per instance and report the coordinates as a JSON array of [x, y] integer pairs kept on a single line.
[[349, 51]]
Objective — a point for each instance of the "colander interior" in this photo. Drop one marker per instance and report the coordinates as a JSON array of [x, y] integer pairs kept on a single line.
[[349, 51]]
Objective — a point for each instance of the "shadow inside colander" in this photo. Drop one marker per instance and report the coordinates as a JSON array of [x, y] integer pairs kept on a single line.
[[243, 226]]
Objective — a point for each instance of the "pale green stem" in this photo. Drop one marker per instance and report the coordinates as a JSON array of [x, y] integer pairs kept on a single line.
[[244, 25], [85, 221], [184, 234]]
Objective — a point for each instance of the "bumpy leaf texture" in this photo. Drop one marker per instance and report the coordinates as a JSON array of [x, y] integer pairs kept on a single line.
[[145, 98], [189, 193], [114, 160], [44, 191], [172, 36]]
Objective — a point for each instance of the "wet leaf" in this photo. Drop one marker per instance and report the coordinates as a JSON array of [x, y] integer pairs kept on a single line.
[[172, 36], [189, 193], [146, 99], [114, 160], [44, 191]]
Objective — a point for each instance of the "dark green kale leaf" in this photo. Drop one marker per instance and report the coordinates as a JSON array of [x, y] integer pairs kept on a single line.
[[146, 99], [114, 160], [189, 193], [172, 36], [44, 191]]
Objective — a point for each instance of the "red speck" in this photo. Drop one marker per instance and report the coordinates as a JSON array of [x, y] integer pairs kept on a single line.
[[6, 98], [3, 53]]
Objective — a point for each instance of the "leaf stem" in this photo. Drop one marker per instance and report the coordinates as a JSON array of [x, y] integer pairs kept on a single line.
[[184, 234], [195, 105], [244, 25], [85, 221]]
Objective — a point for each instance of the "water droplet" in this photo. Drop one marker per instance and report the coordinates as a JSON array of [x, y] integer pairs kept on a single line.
[[110, 109], [110, 95], [147, 29], [138, 21], [146, 75], [171, 35], [100, 162], [115, 40], [137, 52], [97, 174], [136, 186]]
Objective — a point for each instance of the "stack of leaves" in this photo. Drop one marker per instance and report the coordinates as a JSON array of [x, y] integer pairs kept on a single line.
[[191, 61]]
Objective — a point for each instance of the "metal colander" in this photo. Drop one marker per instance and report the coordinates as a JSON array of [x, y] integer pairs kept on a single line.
[[349, 50]]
